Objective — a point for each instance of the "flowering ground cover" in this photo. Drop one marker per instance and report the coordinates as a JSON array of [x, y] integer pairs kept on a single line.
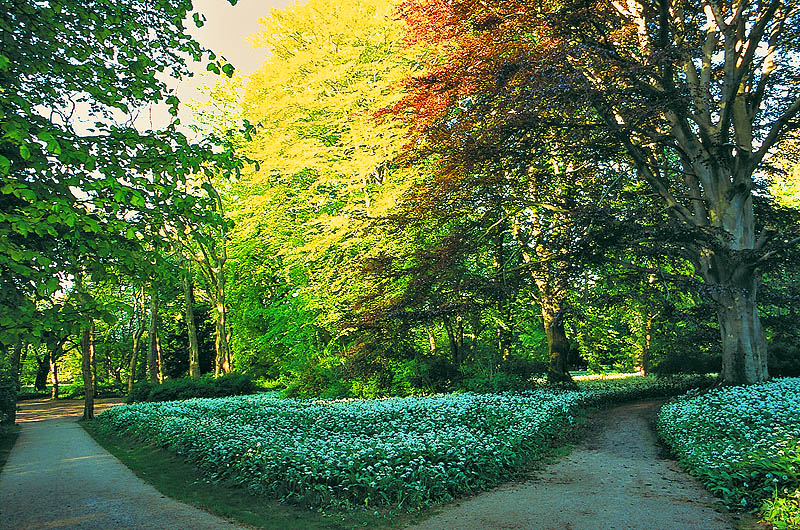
[[744, 444], [400, 451]]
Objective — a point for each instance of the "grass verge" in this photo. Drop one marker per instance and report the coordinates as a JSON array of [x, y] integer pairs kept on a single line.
[[8, 437], [180, 480]]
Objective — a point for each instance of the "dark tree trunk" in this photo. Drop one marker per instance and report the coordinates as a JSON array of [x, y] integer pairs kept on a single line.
[[558, 347], [42, 371], [733, 284], [643, 362], [87, 361]]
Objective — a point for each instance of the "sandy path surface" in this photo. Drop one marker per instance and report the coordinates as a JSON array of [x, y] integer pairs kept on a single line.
[[58, 477], [615, 479]]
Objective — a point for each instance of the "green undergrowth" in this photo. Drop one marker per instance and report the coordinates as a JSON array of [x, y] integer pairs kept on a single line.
[[174, 477], [744, 445], [350, 454], [187, 388]]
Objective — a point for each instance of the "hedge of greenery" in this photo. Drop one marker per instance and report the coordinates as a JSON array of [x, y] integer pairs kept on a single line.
[[399, 451], [187, 388], [744, 444]]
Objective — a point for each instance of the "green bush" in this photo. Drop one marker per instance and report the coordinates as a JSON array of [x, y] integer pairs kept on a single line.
[[743, 443], [8, 398], [186, 388], [406, 452], [103, 390]]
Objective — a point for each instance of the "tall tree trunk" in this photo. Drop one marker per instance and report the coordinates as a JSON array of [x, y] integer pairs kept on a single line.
[[557, 342], [152, 337], [159, 358], [643, 362], [138, 332], [87, 361], [53, 377], [744, 349], [137, 338], [733, 284], [552, 298], [223, 364], [42, 371], [194, 349]]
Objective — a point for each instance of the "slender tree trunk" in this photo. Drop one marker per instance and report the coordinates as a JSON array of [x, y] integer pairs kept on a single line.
[[87, 361], [194, 349], [139, 316], [643, 362], [94, 364], [152, 337], [223, 365], [53, 377], [159, 358], [137, 339]]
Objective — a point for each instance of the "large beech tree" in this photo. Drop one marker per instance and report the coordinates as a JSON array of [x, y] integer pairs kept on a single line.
[[695, 93]]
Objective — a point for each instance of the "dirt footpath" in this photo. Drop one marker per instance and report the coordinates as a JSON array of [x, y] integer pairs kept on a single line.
[[58, 477], [616, 479]]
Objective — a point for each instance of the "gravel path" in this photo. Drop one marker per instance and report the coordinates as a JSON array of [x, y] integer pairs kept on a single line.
[[616, 479], [58, 477]]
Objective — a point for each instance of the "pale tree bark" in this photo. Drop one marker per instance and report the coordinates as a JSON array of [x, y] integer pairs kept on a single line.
[[53, 378], [152, 337], [159, 358], [711, 107]]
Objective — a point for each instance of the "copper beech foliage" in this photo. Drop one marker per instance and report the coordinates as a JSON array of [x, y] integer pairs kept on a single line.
[[689, 96]]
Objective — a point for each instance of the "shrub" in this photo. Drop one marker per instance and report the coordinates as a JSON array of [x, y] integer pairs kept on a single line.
[[186, 388], [8, 398], [743, 443], [402, 451]]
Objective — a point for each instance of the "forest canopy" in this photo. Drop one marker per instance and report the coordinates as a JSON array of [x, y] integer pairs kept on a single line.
[[405, 198]]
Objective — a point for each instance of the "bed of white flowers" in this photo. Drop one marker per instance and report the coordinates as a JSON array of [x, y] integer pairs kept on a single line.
[[742, 442], [398, 451]]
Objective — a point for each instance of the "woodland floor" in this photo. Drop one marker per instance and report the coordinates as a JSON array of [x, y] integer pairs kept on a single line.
[[617, 478], [58, 477]]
